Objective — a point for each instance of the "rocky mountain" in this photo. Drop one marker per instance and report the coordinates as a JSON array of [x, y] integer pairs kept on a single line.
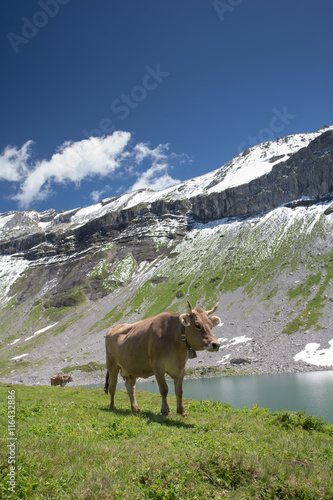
[[255, 234]]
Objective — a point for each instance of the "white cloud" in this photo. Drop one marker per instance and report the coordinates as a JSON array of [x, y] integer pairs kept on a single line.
[[142, 152], [13, 162], [151, 178], [156, 176], [97, 194], [74, 162]]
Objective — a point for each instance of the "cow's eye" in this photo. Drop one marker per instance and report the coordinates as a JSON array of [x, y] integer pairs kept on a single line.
[[198, 326]]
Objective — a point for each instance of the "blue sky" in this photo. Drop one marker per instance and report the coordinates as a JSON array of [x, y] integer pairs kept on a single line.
[[102, 97]]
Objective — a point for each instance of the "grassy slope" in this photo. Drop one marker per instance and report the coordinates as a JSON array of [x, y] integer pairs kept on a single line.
[[70, 446], [255, 255]]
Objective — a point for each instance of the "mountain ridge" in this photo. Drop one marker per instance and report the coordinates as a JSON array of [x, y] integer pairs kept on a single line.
[[212, 203]]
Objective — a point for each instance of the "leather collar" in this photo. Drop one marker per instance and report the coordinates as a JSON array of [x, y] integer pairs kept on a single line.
[[191, 352]]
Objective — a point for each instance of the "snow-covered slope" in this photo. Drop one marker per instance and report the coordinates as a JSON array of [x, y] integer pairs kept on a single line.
[[242, 169]]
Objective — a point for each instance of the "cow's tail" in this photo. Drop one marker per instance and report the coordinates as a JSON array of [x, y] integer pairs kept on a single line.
[[106, 386]]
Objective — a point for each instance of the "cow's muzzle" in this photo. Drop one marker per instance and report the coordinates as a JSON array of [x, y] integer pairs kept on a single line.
[[213, 346]]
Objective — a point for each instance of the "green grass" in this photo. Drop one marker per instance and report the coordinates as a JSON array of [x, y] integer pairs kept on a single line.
[[320, 282], [304, 289], [34, 315], [112, 275], [70, 446], [109, 319]]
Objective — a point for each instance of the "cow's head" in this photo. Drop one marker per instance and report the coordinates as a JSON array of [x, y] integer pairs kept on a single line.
[[199, 326], [69, 378]]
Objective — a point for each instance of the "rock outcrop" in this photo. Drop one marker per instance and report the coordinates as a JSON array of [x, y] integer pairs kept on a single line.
[[307, 173]]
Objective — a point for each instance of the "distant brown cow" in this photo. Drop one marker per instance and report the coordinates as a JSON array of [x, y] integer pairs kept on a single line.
[[61, 380], [155, 346]]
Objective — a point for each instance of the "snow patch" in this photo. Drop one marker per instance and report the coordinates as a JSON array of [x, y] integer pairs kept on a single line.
[[44, 225], [48, 286], [41, 331], [232, 342], [124, 269], [236, 340], [14, 342], [312, 355], [240, 340], [221, 339], [224, 359], [18, 357], [10, 270], [5, 219]]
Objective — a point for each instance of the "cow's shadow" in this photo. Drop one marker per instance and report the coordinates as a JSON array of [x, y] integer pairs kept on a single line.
[[166, 420]]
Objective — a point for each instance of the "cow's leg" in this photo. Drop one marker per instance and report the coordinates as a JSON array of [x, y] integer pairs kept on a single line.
[[106, 385], [163, 387], [130, 386], [113, 371], [179, 393]]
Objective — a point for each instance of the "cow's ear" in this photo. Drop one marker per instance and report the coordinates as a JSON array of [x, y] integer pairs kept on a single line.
[[215, 320], [185, 319]]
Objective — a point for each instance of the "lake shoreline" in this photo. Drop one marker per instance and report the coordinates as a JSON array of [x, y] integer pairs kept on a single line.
[[240, 360], [96, 378]]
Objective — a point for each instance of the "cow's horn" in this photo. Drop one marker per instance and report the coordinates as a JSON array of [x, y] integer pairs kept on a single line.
[[189, 307], [212, 310]]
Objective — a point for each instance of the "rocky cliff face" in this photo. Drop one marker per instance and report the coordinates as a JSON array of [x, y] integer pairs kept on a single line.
[[306, 173], [255, 234]]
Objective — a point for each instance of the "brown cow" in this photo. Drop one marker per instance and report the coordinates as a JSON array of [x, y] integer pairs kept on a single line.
[[61, 380], [155, 346]]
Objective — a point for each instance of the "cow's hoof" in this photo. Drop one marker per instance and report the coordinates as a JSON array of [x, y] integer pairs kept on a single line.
[[135, 408], [183, 413], [112, 408]]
